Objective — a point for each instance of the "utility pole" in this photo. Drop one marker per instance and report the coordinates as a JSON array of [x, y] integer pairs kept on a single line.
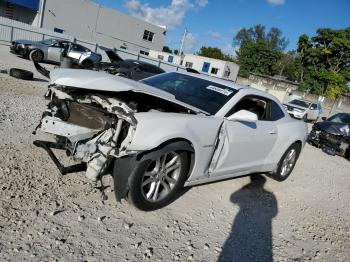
[[182, 41]]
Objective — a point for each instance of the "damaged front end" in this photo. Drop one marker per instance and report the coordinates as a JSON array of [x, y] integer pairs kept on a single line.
[[92, 128], [332, 139]]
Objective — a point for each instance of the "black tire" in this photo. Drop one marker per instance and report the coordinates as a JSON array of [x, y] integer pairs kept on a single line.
[[87, 64], [21, 74], [23, 52], [136, 194], [36, 55], [279, 175]]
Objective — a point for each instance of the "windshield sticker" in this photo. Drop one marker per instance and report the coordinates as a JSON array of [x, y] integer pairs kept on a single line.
[[225, 92]]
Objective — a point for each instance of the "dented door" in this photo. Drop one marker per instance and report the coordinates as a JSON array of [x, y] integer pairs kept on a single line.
[[243, 146]]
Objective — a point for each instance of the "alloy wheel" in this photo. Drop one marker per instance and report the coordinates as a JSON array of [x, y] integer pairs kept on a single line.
[[288, 162], [161, 176]]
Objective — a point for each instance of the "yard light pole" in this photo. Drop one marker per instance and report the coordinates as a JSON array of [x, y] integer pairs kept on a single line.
[[183, 41]]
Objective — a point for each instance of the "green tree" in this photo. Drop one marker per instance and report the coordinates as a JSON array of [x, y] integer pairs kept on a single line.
[[289, 66], [167, 49], [325, 60], [257, 58], [213, 52], [260, 52]]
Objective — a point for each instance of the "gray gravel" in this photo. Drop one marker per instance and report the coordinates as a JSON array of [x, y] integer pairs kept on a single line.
[[47, 217]]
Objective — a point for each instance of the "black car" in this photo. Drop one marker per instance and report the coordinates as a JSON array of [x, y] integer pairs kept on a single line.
[[129, 68], [332, 135]]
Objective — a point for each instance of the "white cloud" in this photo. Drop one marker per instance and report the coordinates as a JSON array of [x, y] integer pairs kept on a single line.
[[215, 35], [201, 3], [230, 50], [170, 16], [275, 2], [190, 43]]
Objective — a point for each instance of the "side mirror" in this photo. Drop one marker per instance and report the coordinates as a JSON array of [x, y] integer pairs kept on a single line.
[[243, 115], [324, 118]]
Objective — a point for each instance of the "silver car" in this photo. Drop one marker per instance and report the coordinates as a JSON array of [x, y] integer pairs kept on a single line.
[[167, 131], [51, 50]]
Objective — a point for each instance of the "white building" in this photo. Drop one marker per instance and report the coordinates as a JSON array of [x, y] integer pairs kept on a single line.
[[89, 21], [205, 65]]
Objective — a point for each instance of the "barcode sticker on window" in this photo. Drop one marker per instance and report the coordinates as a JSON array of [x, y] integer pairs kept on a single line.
[[225, 92]]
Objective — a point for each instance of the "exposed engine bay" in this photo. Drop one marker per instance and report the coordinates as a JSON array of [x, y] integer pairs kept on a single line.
[[95, 127], [333, 140]]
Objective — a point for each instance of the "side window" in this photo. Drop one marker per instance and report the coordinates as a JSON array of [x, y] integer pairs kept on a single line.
[[276, 111], [255, 104], [79, 48]]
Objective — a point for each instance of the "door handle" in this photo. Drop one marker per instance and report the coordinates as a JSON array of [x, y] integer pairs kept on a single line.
[[272, 132]]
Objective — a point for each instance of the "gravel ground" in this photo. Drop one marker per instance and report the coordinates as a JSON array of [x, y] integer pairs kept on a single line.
[[47, 217]]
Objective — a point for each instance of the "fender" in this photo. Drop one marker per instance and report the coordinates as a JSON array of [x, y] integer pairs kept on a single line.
[[126, 166], [156, 128]]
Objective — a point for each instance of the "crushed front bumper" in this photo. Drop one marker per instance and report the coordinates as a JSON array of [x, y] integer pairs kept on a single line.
[[18, 49], [329, 143], [48, 146], [93, 130]]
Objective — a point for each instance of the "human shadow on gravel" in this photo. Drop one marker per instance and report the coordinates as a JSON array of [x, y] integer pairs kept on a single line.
[[251, 234]]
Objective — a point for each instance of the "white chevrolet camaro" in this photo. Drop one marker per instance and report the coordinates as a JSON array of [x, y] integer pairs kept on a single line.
[[167, 131]]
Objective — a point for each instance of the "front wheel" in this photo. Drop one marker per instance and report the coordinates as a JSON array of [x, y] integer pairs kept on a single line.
[[154, 183], [36, 56], [287, 163]]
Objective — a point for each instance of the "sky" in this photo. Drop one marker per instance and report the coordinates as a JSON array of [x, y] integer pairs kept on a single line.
[[216, 22]]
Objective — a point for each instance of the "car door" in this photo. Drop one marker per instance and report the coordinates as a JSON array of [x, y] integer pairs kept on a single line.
[[76, 51], [244, 146], [54, 52], [313, 112]]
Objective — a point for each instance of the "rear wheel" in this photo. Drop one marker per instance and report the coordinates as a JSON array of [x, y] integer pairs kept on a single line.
[[87, 64], [154, 183], [36, 55], [287, 163]]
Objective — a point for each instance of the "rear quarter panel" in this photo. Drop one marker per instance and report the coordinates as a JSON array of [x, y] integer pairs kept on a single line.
[[289, 131]]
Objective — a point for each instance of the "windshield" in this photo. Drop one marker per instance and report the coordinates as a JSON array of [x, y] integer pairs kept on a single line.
[[202, 94], [48, 41], [300, 103], [340, 118]]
